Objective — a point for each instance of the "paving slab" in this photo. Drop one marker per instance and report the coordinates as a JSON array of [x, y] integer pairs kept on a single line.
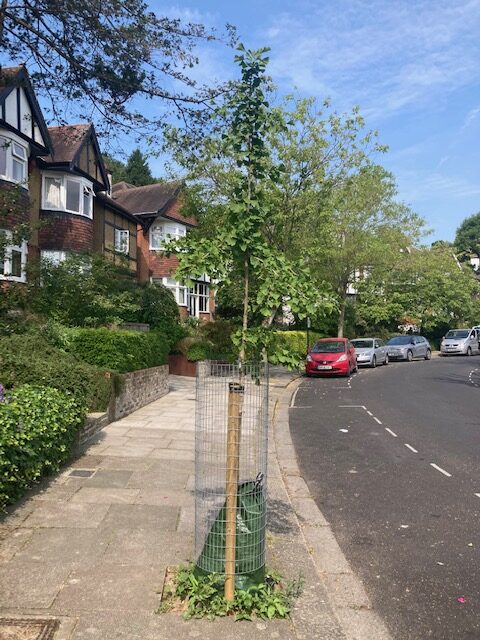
[[67, 515], [105, 495], [142, 516], [111, 478], [30, 585]]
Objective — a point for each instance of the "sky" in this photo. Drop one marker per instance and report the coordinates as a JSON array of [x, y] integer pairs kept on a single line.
[[412, 66]]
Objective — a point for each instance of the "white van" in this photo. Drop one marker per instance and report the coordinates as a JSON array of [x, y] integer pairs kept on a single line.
[[461, 342]]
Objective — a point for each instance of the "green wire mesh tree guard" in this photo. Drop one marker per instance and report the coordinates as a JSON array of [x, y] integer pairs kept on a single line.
[[231, 446]]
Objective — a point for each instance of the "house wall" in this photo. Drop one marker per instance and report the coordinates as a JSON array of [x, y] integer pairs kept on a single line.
[[105, 221], [65, 232]]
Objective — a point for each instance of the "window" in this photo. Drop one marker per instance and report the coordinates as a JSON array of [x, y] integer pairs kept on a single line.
[[54, 257], [178, 290], [13, 160], [199, 294], [160, 233], [66, 193], [122, 240], [13, 260]]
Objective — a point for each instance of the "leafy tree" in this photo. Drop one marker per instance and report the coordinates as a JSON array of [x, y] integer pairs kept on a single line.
[[467, 238], [116, 168], [236, 249], [426, 287], [98, 56], [137, 171]]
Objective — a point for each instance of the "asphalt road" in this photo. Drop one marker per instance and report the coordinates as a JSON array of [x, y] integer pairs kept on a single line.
[[391, 457]]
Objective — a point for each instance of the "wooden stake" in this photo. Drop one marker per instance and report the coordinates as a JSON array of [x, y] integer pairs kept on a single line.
[[235, 400]]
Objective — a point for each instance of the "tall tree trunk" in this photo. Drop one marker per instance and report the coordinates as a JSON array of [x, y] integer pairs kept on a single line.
[[341, 314], [246, 273], [3, 8]]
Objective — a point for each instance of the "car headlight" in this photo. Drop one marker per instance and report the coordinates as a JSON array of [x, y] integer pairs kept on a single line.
[[342, 358], [309, 358]]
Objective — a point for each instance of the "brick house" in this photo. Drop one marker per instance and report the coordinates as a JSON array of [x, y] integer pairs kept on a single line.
[[157, 208], [24, 138]]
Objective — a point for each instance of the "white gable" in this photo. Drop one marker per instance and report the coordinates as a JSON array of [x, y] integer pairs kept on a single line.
[[17, 104]]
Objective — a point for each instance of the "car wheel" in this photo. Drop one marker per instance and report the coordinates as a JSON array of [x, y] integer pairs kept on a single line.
[[374, 362], [386, 359], [428, 355], [469, 351], [409, 356]]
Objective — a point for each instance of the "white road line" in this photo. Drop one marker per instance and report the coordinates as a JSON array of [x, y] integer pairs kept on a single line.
[[409, 446], [377, 420], [445, 473], [369, 413], [300, 407], [351, 406], [292, 402], [392, 433], [477, 494]]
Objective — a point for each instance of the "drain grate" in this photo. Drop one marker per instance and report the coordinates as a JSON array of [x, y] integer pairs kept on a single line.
[[82, 473], [33, 629]]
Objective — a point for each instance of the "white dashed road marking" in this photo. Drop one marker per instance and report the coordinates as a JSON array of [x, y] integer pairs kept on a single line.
[[478, 495], [409, 446], [377, 420], [445, 473], [392, 433]]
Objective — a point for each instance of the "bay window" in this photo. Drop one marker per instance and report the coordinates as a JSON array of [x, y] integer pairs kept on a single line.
[[161, 232], [13, 258], [178, 290], [13, 160], [53, 257], [67, 193]]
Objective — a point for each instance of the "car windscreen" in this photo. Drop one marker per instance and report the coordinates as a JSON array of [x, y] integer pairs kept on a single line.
[[363, 344], [400, 340], [458, 333], [335, 346]]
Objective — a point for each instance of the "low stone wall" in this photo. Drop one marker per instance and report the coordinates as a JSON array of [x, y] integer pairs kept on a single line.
[[138, 388]]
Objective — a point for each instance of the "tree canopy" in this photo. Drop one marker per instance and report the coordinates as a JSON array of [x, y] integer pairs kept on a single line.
[[95, 57], [136, 171], [467, 238]]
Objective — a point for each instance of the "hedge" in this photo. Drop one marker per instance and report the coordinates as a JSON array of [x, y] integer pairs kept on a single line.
[[38, 428], [118, 350], [296, 341], [30, 359]]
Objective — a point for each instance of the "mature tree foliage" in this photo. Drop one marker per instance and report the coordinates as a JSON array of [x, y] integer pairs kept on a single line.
[[116, 168], [425, 287], [467, 239], [236, 249], [96, 56], [137, 171]]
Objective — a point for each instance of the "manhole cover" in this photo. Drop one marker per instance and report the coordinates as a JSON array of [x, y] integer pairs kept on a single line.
[[21, 629]]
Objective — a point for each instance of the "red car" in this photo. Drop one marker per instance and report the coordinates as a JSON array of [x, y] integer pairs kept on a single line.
[[331, 356]]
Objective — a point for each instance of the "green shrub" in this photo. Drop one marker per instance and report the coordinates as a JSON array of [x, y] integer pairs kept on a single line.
[[296, 341], [157, 306], [219, 333], [38, 428], [30, 359], [118, 350], [199, 351]]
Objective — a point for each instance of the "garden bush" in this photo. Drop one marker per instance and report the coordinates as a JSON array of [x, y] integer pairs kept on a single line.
[[219, 333], [38, 428], [199, 351], [118, 350], [296, 341], [30, 359]]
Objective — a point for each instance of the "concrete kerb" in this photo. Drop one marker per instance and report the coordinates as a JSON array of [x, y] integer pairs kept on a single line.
[[347, 596]]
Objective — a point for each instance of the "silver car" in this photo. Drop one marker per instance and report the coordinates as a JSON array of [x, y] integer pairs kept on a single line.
[[370, 351], [460, 342], [408, 348]]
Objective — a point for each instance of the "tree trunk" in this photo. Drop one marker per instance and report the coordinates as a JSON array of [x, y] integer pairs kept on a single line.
[[341, 316], [3, 8]]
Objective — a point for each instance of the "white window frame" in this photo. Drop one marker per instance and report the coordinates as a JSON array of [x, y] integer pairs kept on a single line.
[[122, 241], [166, 231], [52, 256], [85, 186], [177, 288], [7, 142], [201, 291], [7, 259]]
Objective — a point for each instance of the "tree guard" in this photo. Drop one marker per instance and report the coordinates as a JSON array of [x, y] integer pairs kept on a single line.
[[231, 442]]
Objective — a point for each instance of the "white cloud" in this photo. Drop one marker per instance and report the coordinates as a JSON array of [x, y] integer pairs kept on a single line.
[[386, 56], [471, 116]]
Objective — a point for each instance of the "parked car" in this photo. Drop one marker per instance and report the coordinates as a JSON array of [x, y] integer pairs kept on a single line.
[[408, 348], [460, 342], [331, 356], [370, 351]]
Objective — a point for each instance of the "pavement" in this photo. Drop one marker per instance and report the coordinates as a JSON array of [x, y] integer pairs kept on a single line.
[[90, 546]]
